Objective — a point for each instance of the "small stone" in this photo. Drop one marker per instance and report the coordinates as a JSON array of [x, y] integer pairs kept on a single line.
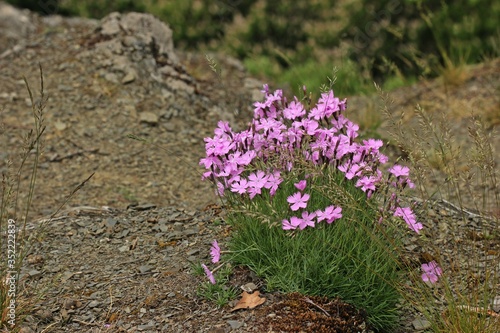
[[129, 77], [111, 222], [60, 126], [143, 207], [249, 287], [144, 269], [34, 273], [93, 304], [148, 326], [148, 118], [111, 26], [111, 77], [26, 329], [496, 304], [235, 324], [70, 304], [421, 324], [191, 232], [44, 315], [124, 248]]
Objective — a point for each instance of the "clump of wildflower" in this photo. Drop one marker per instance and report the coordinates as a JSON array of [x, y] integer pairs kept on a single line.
[[283, 132]]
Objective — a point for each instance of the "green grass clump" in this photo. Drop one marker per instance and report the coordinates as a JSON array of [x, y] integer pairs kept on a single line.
[[349, 259], [310, 209]]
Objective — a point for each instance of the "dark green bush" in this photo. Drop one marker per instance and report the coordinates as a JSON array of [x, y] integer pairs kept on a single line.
[[416, 35], [96, 8], [383, 39]]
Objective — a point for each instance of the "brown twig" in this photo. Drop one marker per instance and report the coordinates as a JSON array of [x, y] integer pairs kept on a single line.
[[316, 305]]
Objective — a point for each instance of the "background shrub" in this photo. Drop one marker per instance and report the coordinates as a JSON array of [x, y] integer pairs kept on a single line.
[[383, 39]]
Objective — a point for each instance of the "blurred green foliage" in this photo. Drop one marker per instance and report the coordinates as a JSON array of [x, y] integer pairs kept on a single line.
[[417, 35], [391, 41]]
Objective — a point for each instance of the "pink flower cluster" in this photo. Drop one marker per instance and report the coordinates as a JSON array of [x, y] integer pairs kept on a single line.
[[431, 272], [280, 132], [298, 201]]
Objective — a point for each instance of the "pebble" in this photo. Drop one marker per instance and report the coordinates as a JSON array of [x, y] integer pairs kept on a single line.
[[149, 118], [421, 324], [147, 326], [94, 304], [496, 304], [129, 77], [235, 324], [144, 269]]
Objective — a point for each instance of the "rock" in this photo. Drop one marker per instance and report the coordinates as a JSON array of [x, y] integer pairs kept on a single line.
[[34, 273], [110, 25], [235, 324], [421, 324], [149, 326], [44, 315], [14, 23], [143, 207], [249, 287], [156, 33], [60, 126], [144, 269], [94, 304], [124, 248], [149, 118], [129, 77], [496, 304]]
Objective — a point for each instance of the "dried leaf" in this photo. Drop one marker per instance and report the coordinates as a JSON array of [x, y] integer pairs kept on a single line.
[[249, 301]]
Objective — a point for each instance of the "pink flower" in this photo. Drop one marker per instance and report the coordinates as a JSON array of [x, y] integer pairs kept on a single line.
[[239, 187], [409, 217], [298, 201], [286, 225], [400, 171], [209, 274], [253, 191], [301, 185], [367, 183], [215, 252], [431, 272], [373, 144], [294, 110], [273, 182], [307, 220], [349, 170], [257, 180], [330, 214]]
